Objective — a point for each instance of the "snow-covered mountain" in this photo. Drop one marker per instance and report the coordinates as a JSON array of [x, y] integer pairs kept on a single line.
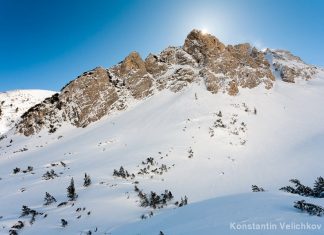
[[14, 103], [197, 125]]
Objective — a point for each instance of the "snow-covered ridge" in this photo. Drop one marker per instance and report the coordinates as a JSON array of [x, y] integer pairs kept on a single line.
[[202, 59], [14, 103], [290, 68]]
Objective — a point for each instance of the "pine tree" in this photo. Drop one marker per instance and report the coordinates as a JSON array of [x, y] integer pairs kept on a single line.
[[154, 200], [64, 222], [25, 211], [13, 232], [49, 199], [257, 189], [121, 173], [190, 152], [143, 198], [16, 170], [319, 187], [87, 180], [71, 194], [299, 189], [185, 201], [302, 189], [311, 209], [18, 225]]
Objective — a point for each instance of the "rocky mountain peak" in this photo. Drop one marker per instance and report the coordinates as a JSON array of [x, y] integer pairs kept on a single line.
[[132, 63], [132, 74], [82, 101], [202, 59], [89, 97], [202, 46]]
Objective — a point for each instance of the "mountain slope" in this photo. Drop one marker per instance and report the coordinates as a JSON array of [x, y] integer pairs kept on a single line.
[[14, 103], [203, 138], [252, 213], [202, 59], [276, 145]]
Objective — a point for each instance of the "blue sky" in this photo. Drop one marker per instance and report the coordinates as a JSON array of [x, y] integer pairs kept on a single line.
[[46, 43]]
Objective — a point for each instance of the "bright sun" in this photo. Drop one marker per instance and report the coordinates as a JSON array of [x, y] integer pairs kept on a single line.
[[204, 31]]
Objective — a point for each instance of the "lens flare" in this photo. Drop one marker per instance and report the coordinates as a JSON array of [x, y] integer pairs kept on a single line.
[[204, 31]]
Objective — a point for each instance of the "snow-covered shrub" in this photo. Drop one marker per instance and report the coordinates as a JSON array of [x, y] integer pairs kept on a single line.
[[319, 187], [50, 175], [87, 180], [122, 173], [298, 189], [48, 199], [257, 189], [64, 223], [311, 209]]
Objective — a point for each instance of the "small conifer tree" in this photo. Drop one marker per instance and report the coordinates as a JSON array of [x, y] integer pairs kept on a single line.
[[49, 199], [64, 222], [71, 194], [87, 180], [319, 187]]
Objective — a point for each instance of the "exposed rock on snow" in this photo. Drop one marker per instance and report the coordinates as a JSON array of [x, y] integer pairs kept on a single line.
[[132, 72], [14, 103], [82, 101], [228, 67], [202, 59], [88, 98], [290, 67], [204, 48]]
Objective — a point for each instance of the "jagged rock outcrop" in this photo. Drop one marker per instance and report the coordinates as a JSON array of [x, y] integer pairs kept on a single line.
[[172, 69], [46, 114], [15, 103], [289, 66], [154, 66], [204, 48], [82, 101], [202, 58], [134, 76], [88, 98], [225, 66]]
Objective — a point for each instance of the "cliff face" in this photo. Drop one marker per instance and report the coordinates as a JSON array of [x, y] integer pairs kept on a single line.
[[202, 58], [225, 68], [88, 98], [133, 75], [84, 100], [15, 103]]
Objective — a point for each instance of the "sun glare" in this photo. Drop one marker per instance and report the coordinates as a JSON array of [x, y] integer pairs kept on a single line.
[[204, 31]]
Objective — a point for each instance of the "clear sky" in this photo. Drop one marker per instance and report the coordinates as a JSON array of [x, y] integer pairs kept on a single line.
[[46, 43]]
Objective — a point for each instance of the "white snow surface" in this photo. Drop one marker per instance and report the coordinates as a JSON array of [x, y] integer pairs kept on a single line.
[[250, 213], [283, 140], [14, 103]]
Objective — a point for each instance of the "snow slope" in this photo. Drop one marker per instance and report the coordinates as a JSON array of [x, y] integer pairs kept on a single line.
[[14, 103], [282, 140], [266, 213]]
